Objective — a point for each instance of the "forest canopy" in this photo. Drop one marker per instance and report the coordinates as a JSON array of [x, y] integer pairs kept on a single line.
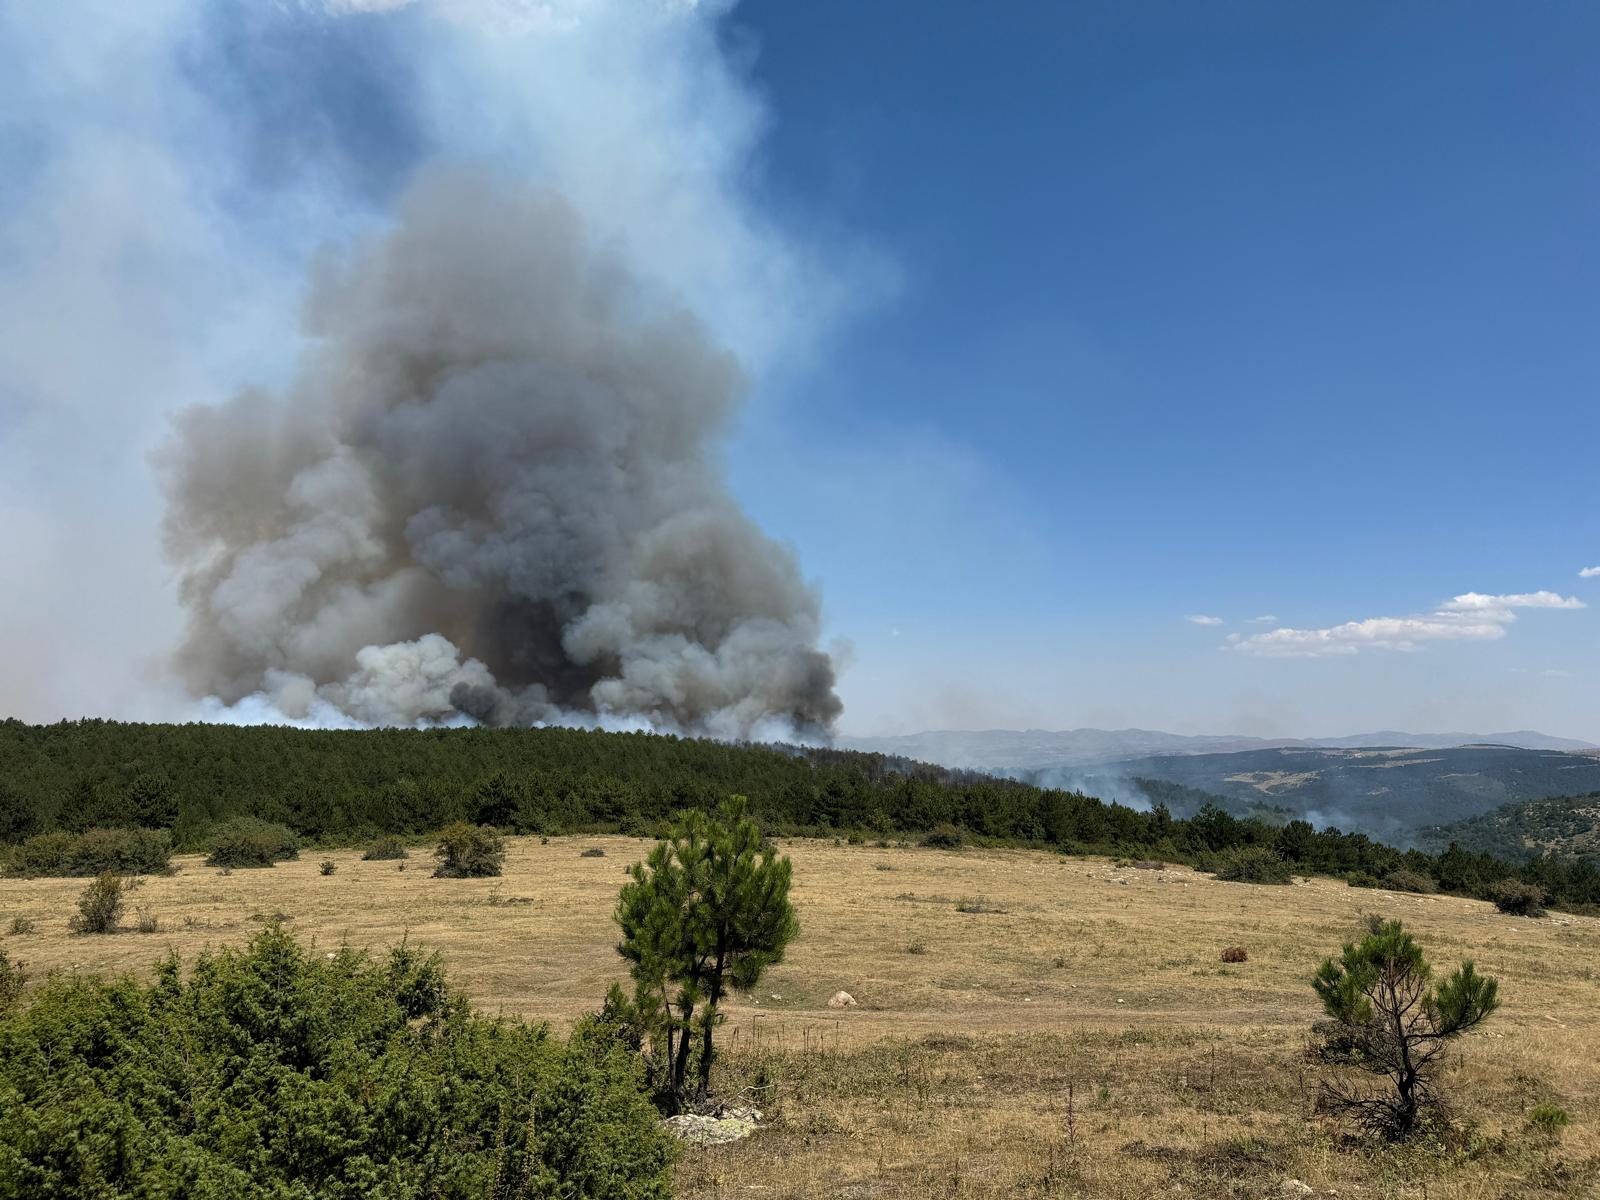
[[345, 787]]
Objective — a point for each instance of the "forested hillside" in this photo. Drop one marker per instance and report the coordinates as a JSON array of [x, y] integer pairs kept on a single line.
[[1386, 791], [1561, 826], [345, 786]]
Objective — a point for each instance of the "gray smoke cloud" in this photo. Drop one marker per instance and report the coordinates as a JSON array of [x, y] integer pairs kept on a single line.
[[491, 491]]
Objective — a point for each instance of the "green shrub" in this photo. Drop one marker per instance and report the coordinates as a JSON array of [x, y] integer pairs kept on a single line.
[[1402, 880], [21, 925], [100, 906], [227, 1082], [1518, 898], [249, 842], [1251, 864], [12, 977], [122, 851], [469, 851], [945, 837], [328, 866], [593, 852], [1361, 879], [45, 854], [1548, 1119], [385, 849]]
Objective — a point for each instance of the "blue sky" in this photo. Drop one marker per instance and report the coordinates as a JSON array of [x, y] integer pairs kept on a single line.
[[1064, 322], [1234, 310]]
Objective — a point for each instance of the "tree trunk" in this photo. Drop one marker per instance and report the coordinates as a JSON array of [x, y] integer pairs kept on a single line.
[[711, 1015], [680, 1064], [1406, 1086], [705, 1051]]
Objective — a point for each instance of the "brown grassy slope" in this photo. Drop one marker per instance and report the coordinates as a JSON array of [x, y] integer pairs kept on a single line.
[[953, 1076]]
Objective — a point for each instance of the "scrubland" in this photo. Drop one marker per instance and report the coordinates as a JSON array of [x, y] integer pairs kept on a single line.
[[1026, 1025]]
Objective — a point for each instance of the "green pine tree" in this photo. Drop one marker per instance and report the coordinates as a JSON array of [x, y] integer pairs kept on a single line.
[[707, 911], [1389, 1021]]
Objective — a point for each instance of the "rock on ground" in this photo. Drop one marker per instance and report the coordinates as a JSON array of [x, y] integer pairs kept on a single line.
[[733, 1125]]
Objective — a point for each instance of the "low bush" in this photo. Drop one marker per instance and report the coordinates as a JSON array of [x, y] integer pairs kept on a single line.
[[1251, 864], [21, 925], [979, 904], [1548, 1119], [385, 849], [148, 922], [469, 851], [1235, 954], [593, 852], [93, 852], [223, 1081], [328, 866], [1361, 879], [945, 837], [249, 842], [44, 854], [1518, 898], [1402, 880], [100, 906]]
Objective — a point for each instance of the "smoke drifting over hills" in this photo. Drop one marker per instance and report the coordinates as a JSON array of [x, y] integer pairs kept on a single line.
[[489, 491]]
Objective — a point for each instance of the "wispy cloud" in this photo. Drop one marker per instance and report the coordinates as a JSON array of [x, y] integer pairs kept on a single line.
[[1202, 619], [1469, 617], [1589, 573], [1478, 602], [1556, 673], [1264, 619]]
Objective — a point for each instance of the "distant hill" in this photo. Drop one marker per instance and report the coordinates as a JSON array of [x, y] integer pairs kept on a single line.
[[1385, 792], [1010, 749], [1561, 826]]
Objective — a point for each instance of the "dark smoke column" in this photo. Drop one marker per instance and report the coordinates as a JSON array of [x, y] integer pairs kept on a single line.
[[490, 489]]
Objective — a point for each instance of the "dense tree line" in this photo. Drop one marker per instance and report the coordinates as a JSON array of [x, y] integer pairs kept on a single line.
[[347, 787]]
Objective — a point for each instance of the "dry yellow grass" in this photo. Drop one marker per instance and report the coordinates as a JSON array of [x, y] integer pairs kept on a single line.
[[1078, 1036]]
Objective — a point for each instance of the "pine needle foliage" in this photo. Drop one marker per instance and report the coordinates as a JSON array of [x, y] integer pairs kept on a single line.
[[1391, 1021], [706, 912], [277, 1073]]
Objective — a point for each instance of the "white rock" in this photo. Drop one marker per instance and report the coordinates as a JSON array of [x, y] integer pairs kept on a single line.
[[841, 1000], [709, 1131]]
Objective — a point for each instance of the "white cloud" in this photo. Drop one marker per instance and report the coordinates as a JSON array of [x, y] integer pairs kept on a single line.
[[1201, 619], [1469, 617], [1264, 619], [1477, 602], [1556, 673], [1589, 573]]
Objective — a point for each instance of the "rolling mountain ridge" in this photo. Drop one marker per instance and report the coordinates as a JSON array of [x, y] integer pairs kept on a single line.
[[1012, 749]]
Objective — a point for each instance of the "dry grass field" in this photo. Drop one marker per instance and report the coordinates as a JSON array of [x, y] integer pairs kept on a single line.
[[1078, 1035]]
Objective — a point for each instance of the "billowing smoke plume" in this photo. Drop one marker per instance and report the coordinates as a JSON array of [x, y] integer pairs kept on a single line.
[[491, 490]]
